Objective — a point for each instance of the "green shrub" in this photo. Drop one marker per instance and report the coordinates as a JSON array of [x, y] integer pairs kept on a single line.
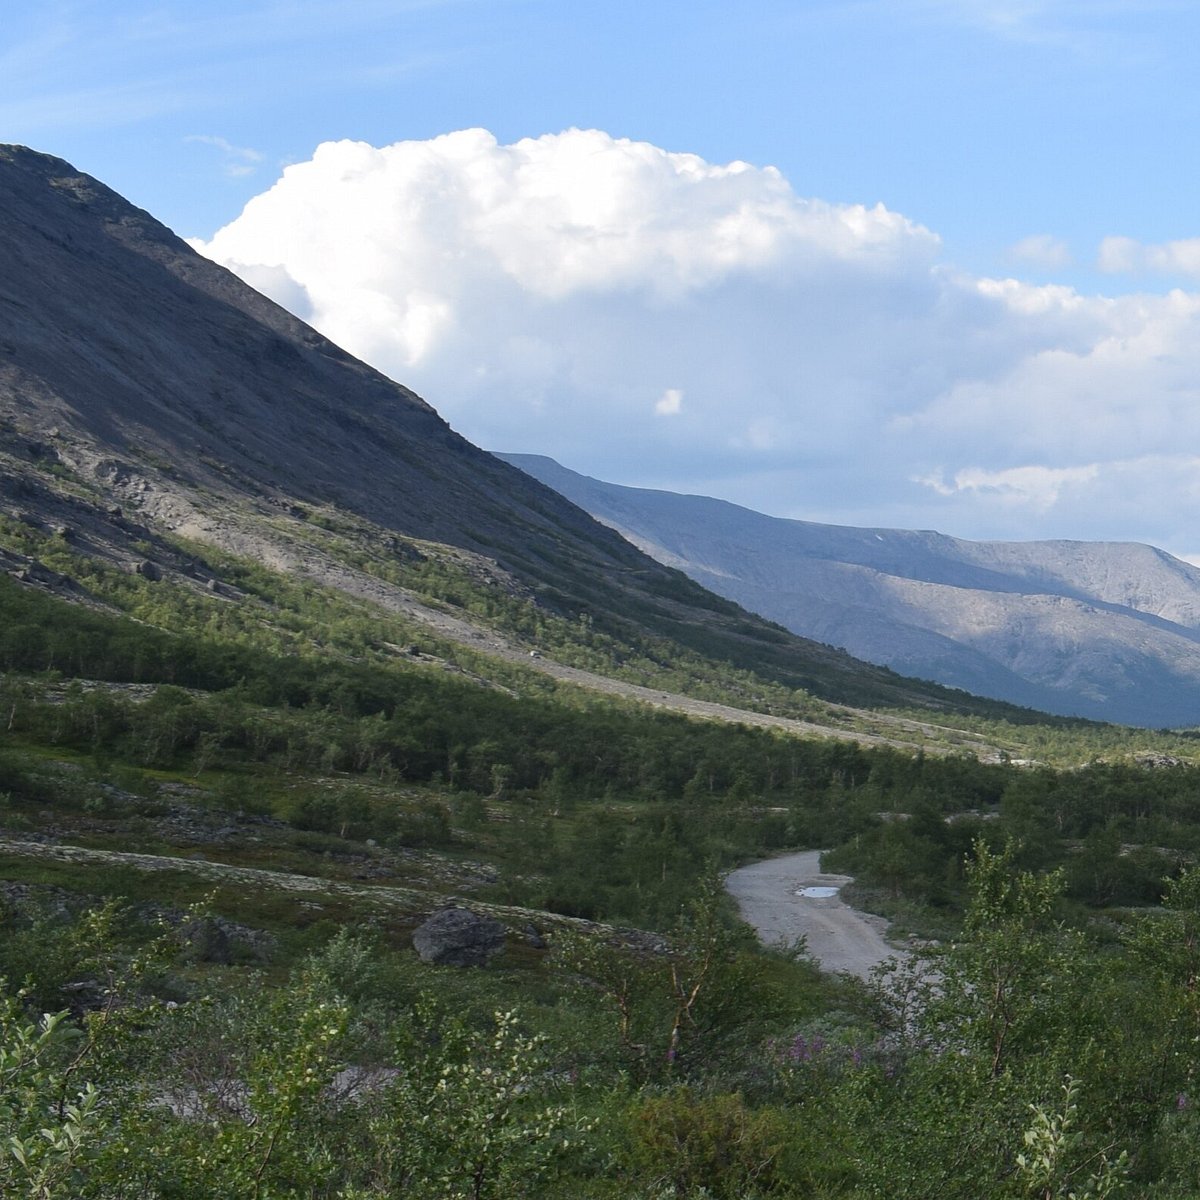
[[688, 1142]]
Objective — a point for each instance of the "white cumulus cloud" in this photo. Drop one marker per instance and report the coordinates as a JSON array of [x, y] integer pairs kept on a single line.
[[392, 242], [563, 294]]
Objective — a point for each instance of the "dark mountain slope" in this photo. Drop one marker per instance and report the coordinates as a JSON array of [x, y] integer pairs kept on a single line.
[[1107, 630], [137, 373]]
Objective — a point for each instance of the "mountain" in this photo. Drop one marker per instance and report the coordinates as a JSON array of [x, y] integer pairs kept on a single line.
[[150, 400], [1105, 630]]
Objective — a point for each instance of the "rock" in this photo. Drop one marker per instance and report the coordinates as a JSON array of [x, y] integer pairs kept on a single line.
[[206, 940], [533, 937], [27, 901], [85, 996], [148, 570], [458, 937], [1156, 759], [212, 935], [36, 572]]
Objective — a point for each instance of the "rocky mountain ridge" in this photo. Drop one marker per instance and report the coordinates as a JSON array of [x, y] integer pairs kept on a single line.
[[1105, 630]]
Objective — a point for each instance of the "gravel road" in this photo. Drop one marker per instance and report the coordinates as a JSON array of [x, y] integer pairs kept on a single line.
[[840, 938]]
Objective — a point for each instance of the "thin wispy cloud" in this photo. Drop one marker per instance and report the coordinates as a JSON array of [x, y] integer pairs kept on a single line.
[[237, 161], [100, 106], [245, 26], [1034, 486], [1041, 250], [1091, 28], [59, 67], [29, 53]]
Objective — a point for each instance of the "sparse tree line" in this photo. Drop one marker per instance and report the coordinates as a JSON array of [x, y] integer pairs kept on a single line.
[[700, 791]]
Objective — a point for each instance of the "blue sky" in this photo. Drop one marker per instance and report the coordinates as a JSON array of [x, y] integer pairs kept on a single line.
[[1051, 144]]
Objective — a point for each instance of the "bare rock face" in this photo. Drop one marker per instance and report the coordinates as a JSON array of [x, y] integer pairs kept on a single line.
[[457, 937]]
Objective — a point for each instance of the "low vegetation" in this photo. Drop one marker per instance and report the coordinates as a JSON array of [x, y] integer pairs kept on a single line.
[[221, 818]]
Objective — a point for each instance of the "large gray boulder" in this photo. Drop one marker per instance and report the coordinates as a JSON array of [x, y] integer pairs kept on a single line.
[[457, 937]]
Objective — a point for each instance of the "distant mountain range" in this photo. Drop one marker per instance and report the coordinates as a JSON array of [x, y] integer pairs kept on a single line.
[[1106, 630]]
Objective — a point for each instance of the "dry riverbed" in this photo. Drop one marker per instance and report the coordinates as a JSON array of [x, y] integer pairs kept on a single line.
[[790, 897]]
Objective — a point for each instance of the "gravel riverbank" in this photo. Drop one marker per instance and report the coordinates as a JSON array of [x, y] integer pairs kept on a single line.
[[772, 898]]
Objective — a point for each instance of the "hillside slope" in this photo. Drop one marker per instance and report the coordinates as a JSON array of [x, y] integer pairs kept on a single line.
[[146, 391], [1107, 630]]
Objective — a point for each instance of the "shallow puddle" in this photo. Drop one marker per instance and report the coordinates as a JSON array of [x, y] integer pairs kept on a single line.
[[817, 893]]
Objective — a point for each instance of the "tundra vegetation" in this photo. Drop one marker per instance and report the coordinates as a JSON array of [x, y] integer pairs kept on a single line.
[[221, 822]]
